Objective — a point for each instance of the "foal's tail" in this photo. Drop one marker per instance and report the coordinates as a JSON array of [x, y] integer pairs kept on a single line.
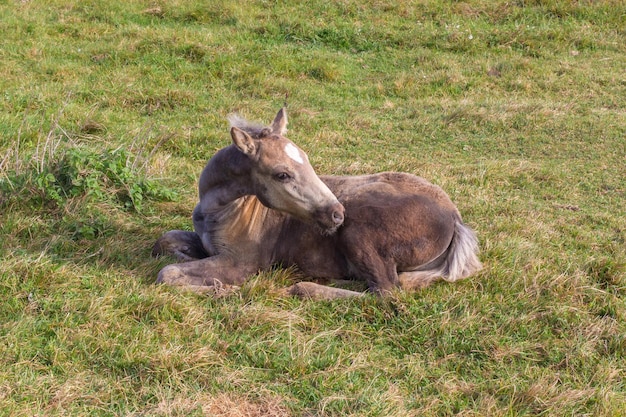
[[462, 259], [458, 262]]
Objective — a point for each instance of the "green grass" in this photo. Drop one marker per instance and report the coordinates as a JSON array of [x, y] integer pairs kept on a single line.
[[109, 111]]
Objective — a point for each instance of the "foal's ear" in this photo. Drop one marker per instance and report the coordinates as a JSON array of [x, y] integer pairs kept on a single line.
[[279, 125], [243, 141]]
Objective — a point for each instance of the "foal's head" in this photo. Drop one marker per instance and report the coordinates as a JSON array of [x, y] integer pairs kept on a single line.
[[282, 176]]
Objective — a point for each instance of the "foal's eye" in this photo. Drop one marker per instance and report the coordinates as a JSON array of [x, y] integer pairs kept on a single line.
[[282, 176]]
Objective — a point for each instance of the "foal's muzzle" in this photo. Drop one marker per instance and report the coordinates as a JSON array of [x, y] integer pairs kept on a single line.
[[330, 217]]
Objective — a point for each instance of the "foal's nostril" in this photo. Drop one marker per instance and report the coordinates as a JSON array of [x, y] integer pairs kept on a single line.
[[337, 217]]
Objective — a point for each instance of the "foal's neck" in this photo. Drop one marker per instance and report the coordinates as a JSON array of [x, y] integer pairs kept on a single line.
[[232, 214], [225, 179]]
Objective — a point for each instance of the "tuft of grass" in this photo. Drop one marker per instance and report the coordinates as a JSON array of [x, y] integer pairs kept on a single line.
[[61, 170], [514, 108]]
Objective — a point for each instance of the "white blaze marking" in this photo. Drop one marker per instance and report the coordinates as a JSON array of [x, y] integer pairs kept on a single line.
[[294, 153]]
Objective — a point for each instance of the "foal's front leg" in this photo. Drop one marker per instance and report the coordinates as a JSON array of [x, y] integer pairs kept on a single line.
[[185, 245], [218, 271], [314, 291]]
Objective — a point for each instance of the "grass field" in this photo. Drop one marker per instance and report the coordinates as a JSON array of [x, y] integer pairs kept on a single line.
[[110, 109]]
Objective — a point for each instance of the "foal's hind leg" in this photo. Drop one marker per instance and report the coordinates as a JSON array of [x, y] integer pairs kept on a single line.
[[186, 246], [380, 274]]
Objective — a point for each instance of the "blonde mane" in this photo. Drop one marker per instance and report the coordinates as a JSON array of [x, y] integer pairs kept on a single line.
[[255, 130]]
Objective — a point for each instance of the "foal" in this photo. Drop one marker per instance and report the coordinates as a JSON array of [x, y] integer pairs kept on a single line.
[[261, 204]]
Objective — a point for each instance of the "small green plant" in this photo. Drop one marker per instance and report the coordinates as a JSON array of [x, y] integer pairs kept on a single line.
[[107, 175]]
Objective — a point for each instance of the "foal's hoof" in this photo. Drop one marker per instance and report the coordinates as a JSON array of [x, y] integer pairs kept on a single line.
[[172, 275], [175, 276], [186, 246]]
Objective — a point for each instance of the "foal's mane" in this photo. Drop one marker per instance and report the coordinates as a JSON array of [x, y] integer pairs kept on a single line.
[[255, 130]]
